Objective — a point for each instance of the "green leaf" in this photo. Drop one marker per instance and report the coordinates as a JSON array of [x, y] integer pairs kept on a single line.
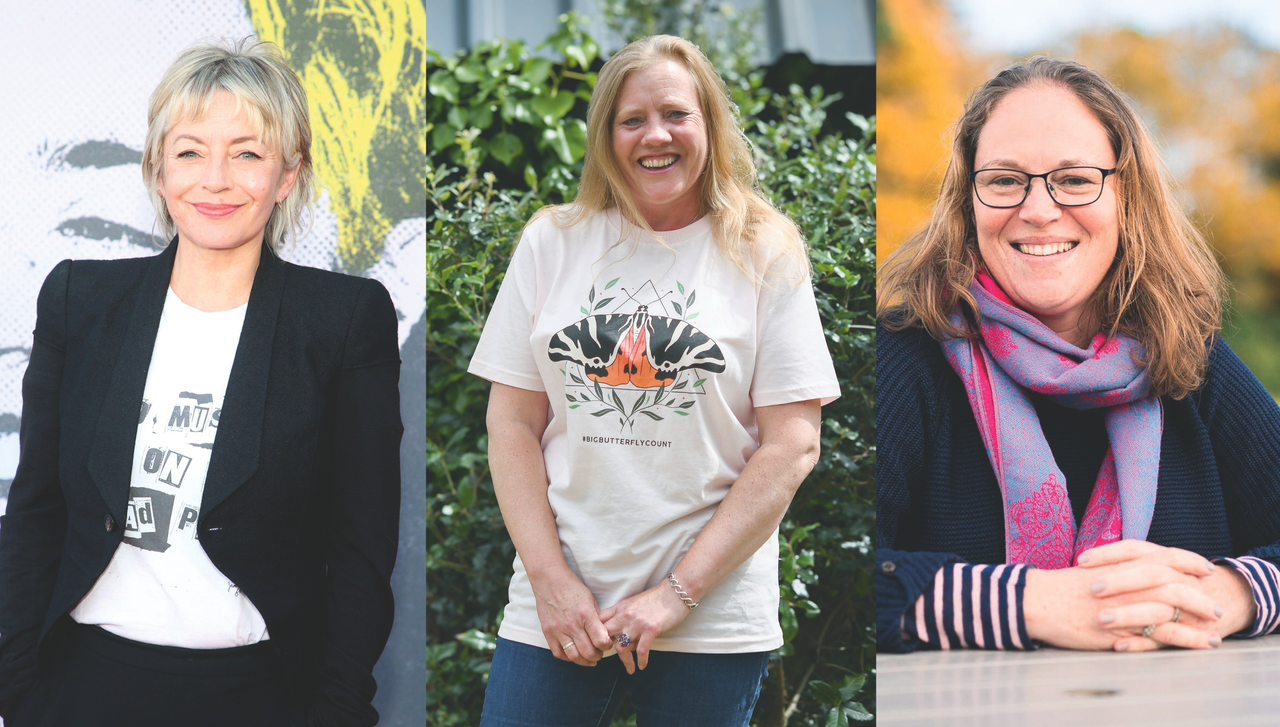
[[470, 73], [569, 397], [458, 117], [574, 406], [683, 413], [691, 317], [576, 53], [558, 143], [858, 712], [531, 177], [482, 116], [677, 307], [852, 684], [687, 404], [681, 385], [585, 312], [478, 640], [466, 494], [536, 71], [552, 108], [603, 303], [652, 416], [599, 393], [639, 403], [592, 295], [602, 412], [790, 624], [825, 693], [576, 380], [575, 132], [442, 84], [692, 297], [443, 136], [699, 382], [611, 283], [505, 147], [680, 286], [837, 718], [617, 400]]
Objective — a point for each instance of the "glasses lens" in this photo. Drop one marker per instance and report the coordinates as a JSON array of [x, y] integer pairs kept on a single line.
[[1000, 187], [1076, 185]]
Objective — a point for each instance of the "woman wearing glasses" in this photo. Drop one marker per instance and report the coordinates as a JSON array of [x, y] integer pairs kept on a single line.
[[1066, 446]]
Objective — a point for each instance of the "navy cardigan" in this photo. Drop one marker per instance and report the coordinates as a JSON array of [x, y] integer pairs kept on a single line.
[[937, 501]]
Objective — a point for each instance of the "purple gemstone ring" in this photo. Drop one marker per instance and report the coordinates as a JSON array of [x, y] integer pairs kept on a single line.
[[623, 640]]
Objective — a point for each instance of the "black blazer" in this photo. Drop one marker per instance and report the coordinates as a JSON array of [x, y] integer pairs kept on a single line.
[[301, 503]]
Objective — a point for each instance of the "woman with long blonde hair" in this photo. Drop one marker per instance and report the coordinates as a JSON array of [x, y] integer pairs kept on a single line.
[[1069, 454], [658, 368]]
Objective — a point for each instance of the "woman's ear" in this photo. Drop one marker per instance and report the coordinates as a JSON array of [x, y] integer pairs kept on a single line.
[[287, 182]]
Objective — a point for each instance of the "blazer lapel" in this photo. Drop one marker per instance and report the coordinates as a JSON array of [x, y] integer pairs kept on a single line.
[[111, 455], [235, 447]]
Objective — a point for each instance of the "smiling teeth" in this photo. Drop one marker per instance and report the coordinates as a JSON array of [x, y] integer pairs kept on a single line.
[[657, 163], [1043, 250]]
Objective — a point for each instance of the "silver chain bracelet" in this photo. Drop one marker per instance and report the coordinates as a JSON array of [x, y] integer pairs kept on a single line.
[[689, 602]]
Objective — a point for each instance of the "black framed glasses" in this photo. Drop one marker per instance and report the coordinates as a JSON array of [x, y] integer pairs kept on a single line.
[[1068, 186]]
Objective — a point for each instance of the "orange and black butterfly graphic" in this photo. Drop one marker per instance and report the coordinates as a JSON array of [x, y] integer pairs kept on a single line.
[[658, 355]]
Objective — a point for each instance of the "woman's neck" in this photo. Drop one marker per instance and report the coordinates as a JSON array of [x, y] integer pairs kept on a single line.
[[214, 280]]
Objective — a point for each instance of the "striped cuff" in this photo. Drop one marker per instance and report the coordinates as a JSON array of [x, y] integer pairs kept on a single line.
[[1264, 581], [968, 605]]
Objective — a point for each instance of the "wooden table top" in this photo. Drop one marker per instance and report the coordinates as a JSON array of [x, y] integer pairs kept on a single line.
[[1235, 684]]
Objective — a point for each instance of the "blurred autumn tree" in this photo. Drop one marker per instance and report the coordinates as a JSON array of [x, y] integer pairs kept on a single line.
[[1211, 97]]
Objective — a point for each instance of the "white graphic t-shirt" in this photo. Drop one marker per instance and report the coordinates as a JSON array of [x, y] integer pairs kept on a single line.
[[654, 357], [161, 587]]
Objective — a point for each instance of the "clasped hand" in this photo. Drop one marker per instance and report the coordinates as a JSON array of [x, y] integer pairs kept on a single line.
[[1120, 588], [577, 631]]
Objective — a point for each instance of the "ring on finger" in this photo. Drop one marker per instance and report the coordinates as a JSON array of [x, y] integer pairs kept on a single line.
[[623, 640], [1177, 614], [1148, 630], [566, 646]]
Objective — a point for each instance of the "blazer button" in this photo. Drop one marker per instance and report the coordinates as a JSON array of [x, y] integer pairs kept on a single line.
[[109, 524], [888, 566]]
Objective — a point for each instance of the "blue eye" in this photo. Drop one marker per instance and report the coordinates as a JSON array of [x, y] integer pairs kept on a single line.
[[250, 154], [189, 154]]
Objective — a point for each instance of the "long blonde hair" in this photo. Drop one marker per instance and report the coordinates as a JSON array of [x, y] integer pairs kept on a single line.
[[1164, 288], [745, 224]]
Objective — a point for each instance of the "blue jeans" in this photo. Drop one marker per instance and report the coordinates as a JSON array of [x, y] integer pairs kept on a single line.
[[529, 687]]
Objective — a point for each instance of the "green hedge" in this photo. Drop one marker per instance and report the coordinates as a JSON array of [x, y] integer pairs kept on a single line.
[[481, 189]]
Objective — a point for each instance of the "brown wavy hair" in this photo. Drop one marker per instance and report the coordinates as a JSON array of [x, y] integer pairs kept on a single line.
[[750, 232], [1165, 288]]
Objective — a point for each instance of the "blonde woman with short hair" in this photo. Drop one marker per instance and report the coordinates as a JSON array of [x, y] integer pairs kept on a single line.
[[658, 368], [202, 525]]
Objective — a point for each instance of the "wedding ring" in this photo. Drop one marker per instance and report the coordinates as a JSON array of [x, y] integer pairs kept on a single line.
[[565, 646], [1148, 630], [1177, 614], [623, 640]]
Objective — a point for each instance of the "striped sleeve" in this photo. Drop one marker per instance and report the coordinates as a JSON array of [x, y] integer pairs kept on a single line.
[[971, 606], [1264, 581]]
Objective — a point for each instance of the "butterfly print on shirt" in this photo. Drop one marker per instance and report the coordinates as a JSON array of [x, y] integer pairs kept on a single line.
[[639, 349]]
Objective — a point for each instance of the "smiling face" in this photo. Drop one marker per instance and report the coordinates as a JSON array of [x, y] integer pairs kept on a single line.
[[1049, 259], [660, 141], [220, 181]]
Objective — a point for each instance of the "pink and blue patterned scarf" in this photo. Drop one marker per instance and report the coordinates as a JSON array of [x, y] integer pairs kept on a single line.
[[1015, 353]]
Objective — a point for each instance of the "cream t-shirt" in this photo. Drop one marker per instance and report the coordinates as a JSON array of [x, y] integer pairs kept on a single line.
[[654, 357], [161, 587]]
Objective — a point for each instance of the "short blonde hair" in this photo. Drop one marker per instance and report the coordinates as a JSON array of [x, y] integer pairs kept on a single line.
[[1164, 288], [254, 72], [744, 222]]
